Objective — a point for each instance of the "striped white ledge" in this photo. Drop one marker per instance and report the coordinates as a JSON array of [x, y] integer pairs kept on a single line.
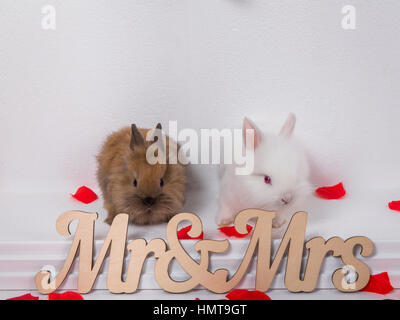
[[20, 261]]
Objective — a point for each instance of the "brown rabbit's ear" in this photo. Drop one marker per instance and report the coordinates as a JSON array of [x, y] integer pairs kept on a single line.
[[137, 140], [157, 135]]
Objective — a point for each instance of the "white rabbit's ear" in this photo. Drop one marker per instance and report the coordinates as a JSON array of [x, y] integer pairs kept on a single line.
[[248, 135], [288, 127]]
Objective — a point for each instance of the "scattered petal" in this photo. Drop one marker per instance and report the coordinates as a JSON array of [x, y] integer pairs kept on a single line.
[[68, 295], [243, 294], [27, 296], [183, 234], [236, 294], [231, 231], [332, 192], [394, 205], [85, 195], [379, 283]]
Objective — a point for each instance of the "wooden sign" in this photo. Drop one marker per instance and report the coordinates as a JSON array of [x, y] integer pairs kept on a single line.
[[218, 281]]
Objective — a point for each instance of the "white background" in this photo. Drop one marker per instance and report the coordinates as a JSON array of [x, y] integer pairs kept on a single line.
[[206, 64]]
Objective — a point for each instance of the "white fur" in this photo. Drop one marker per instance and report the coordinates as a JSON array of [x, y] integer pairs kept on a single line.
[[278, 157]]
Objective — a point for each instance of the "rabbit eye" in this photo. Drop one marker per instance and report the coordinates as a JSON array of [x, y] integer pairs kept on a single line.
[[161, 182], [135, 183], [267, 179]]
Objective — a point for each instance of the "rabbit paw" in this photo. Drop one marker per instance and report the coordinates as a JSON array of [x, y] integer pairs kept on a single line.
[[224, 222], [111, 212], [278, 223], [109, 220], [224, 216]]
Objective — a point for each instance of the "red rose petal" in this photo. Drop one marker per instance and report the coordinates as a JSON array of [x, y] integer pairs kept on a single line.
[[85, 195], [394, 205], [68, 295], [255, 295], [27, 296], [242, 294], [231, 231], [332, 192], [183, 234], [379, 283], [236, 294]]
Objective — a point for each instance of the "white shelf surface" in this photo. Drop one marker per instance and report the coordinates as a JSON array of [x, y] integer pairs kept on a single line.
[[29, 241], [32, 217], [274, 294]]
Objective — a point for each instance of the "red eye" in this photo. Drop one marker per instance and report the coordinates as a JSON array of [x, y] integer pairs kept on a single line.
[[267, 179]]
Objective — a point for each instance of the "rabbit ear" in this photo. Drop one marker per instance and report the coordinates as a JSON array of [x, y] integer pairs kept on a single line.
[[157, 135], [288, 127], [136, 138], [248, 125]]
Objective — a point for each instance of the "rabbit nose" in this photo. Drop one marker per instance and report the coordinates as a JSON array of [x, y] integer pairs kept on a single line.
[[286, 198], [149, 201]]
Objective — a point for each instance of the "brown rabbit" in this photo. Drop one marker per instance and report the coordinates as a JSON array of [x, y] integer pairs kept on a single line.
[[149, 193]]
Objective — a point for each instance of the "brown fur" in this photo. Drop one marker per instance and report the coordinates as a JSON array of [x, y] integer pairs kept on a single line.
[[119, 166]]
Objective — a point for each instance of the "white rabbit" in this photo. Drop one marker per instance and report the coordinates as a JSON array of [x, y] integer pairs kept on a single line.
[[279, 181]]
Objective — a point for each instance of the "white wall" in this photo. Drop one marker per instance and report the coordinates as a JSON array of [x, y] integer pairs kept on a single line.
[[206, 64]]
